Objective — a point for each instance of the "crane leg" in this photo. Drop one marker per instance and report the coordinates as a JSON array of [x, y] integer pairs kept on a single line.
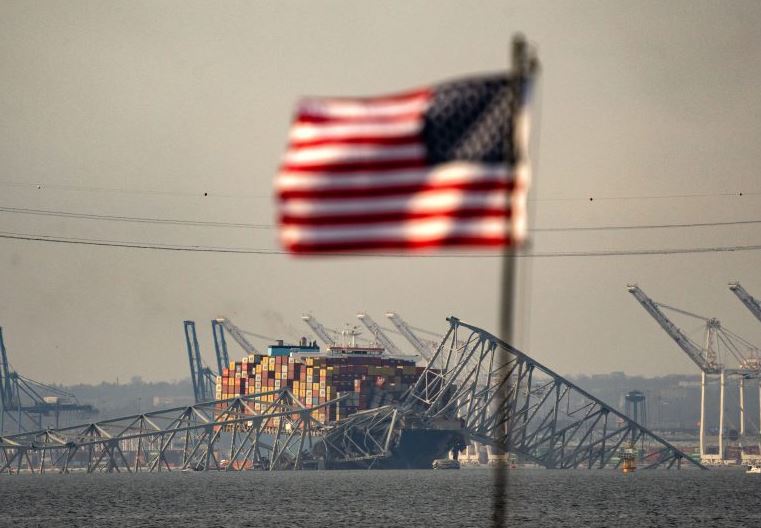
[[721, 418], [703, 412], [742, 407]]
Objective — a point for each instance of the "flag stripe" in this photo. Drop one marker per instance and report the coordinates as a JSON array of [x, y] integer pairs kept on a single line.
[[304, 133], [454, 172], [325, 120], [368, 141], [374, 218], [395, 244], [345, 154], [338, 167], [364, 108], [394, 190], [432, 201], [424, 230]]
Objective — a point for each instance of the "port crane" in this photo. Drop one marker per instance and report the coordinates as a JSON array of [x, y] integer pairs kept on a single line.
[[201, 376], [747, 299], [717, 337], [237, 334], [23, 401], [318, 329], [423, 347], [380, 336], [707, 357]]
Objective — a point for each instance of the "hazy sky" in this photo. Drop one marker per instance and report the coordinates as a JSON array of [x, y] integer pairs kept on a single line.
[[141, 108]]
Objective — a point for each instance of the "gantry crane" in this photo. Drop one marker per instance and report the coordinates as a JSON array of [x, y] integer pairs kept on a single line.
[[423, 347], [747, 355], [201, 376], [707, 357], [747, 299], [380, 336], [319, 330], [237, 334], [25, 401]]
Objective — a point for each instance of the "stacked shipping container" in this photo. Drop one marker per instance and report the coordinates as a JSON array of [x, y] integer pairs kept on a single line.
[[367, 382]]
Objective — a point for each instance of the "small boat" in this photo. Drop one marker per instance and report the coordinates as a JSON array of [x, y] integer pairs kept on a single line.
[[628, 457], [754, 469], [446, 463]]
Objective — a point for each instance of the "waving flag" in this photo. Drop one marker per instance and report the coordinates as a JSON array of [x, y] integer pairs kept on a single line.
[[428, 168]]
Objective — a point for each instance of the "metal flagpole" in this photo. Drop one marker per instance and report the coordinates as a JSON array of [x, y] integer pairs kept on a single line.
[[523, 66]]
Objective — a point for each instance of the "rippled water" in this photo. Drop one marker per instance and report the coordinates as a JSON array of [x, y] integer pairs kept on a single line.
[[382, 499]]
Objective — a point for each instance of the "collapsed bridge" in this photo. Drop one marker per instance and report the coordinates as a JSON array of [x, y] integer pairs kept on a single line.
[[475, 387]]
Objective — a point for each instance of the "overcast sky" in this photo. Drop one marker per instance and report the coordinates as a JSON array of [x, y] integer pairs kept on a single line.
[[180, 110]]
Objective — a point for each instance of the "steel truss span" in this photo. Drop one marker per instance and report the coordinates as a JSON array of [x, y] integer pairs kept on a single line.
[[219, 435], [363, 439], [474, 388], [543, 417]]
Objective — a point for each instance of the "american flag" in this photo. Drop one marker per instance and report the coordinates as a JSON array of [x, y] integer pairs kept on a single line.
[[427, 168]]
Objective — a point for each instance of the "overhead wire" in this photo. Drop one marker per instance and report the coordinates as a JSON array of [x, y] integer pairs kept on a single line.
[[138, 219], [265, 251], [644, 226], [206, 223]]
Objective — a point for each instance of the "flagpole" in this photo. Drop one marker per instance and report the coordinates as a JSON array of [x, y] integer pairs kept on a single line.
[[522, 68]]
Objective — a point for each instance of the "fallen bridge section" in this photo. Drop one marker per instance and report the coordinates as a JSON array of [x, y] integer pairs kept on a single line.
[[510, 401], [219, 435]]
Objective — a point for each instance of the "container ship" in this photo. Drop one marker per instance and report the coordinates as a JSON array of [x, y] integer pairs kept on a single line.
[[362, 377]]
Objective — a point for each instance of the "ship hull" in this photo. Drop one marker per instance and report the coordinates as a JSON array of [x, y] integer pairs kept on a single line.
[[416, 449]]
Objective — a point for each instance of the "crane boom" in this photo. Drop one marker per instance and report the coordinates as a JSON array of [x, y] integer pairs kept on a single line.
[[423, 348], [237, 334], [692, 350], [747, 299], [319, 330], [382, 338]]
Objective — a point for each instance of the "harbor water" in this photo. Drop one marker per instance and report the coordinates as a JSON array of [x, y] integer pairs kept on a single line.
[[383, 499]]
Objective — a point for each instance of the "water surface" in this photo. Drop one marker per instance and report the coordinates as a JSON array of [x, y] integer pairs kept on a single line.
[[382, 499]]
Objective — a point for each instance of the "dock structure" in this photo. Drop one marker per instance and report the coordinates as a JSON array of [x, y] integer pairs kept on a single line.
[[545, 419]]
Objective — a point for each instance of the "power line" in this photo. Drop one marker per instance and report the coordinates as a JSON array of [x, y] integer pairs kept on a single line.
[[115, 218], [264, 251], [202, 223], [123, 190], [135, 245], [644, 226]]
